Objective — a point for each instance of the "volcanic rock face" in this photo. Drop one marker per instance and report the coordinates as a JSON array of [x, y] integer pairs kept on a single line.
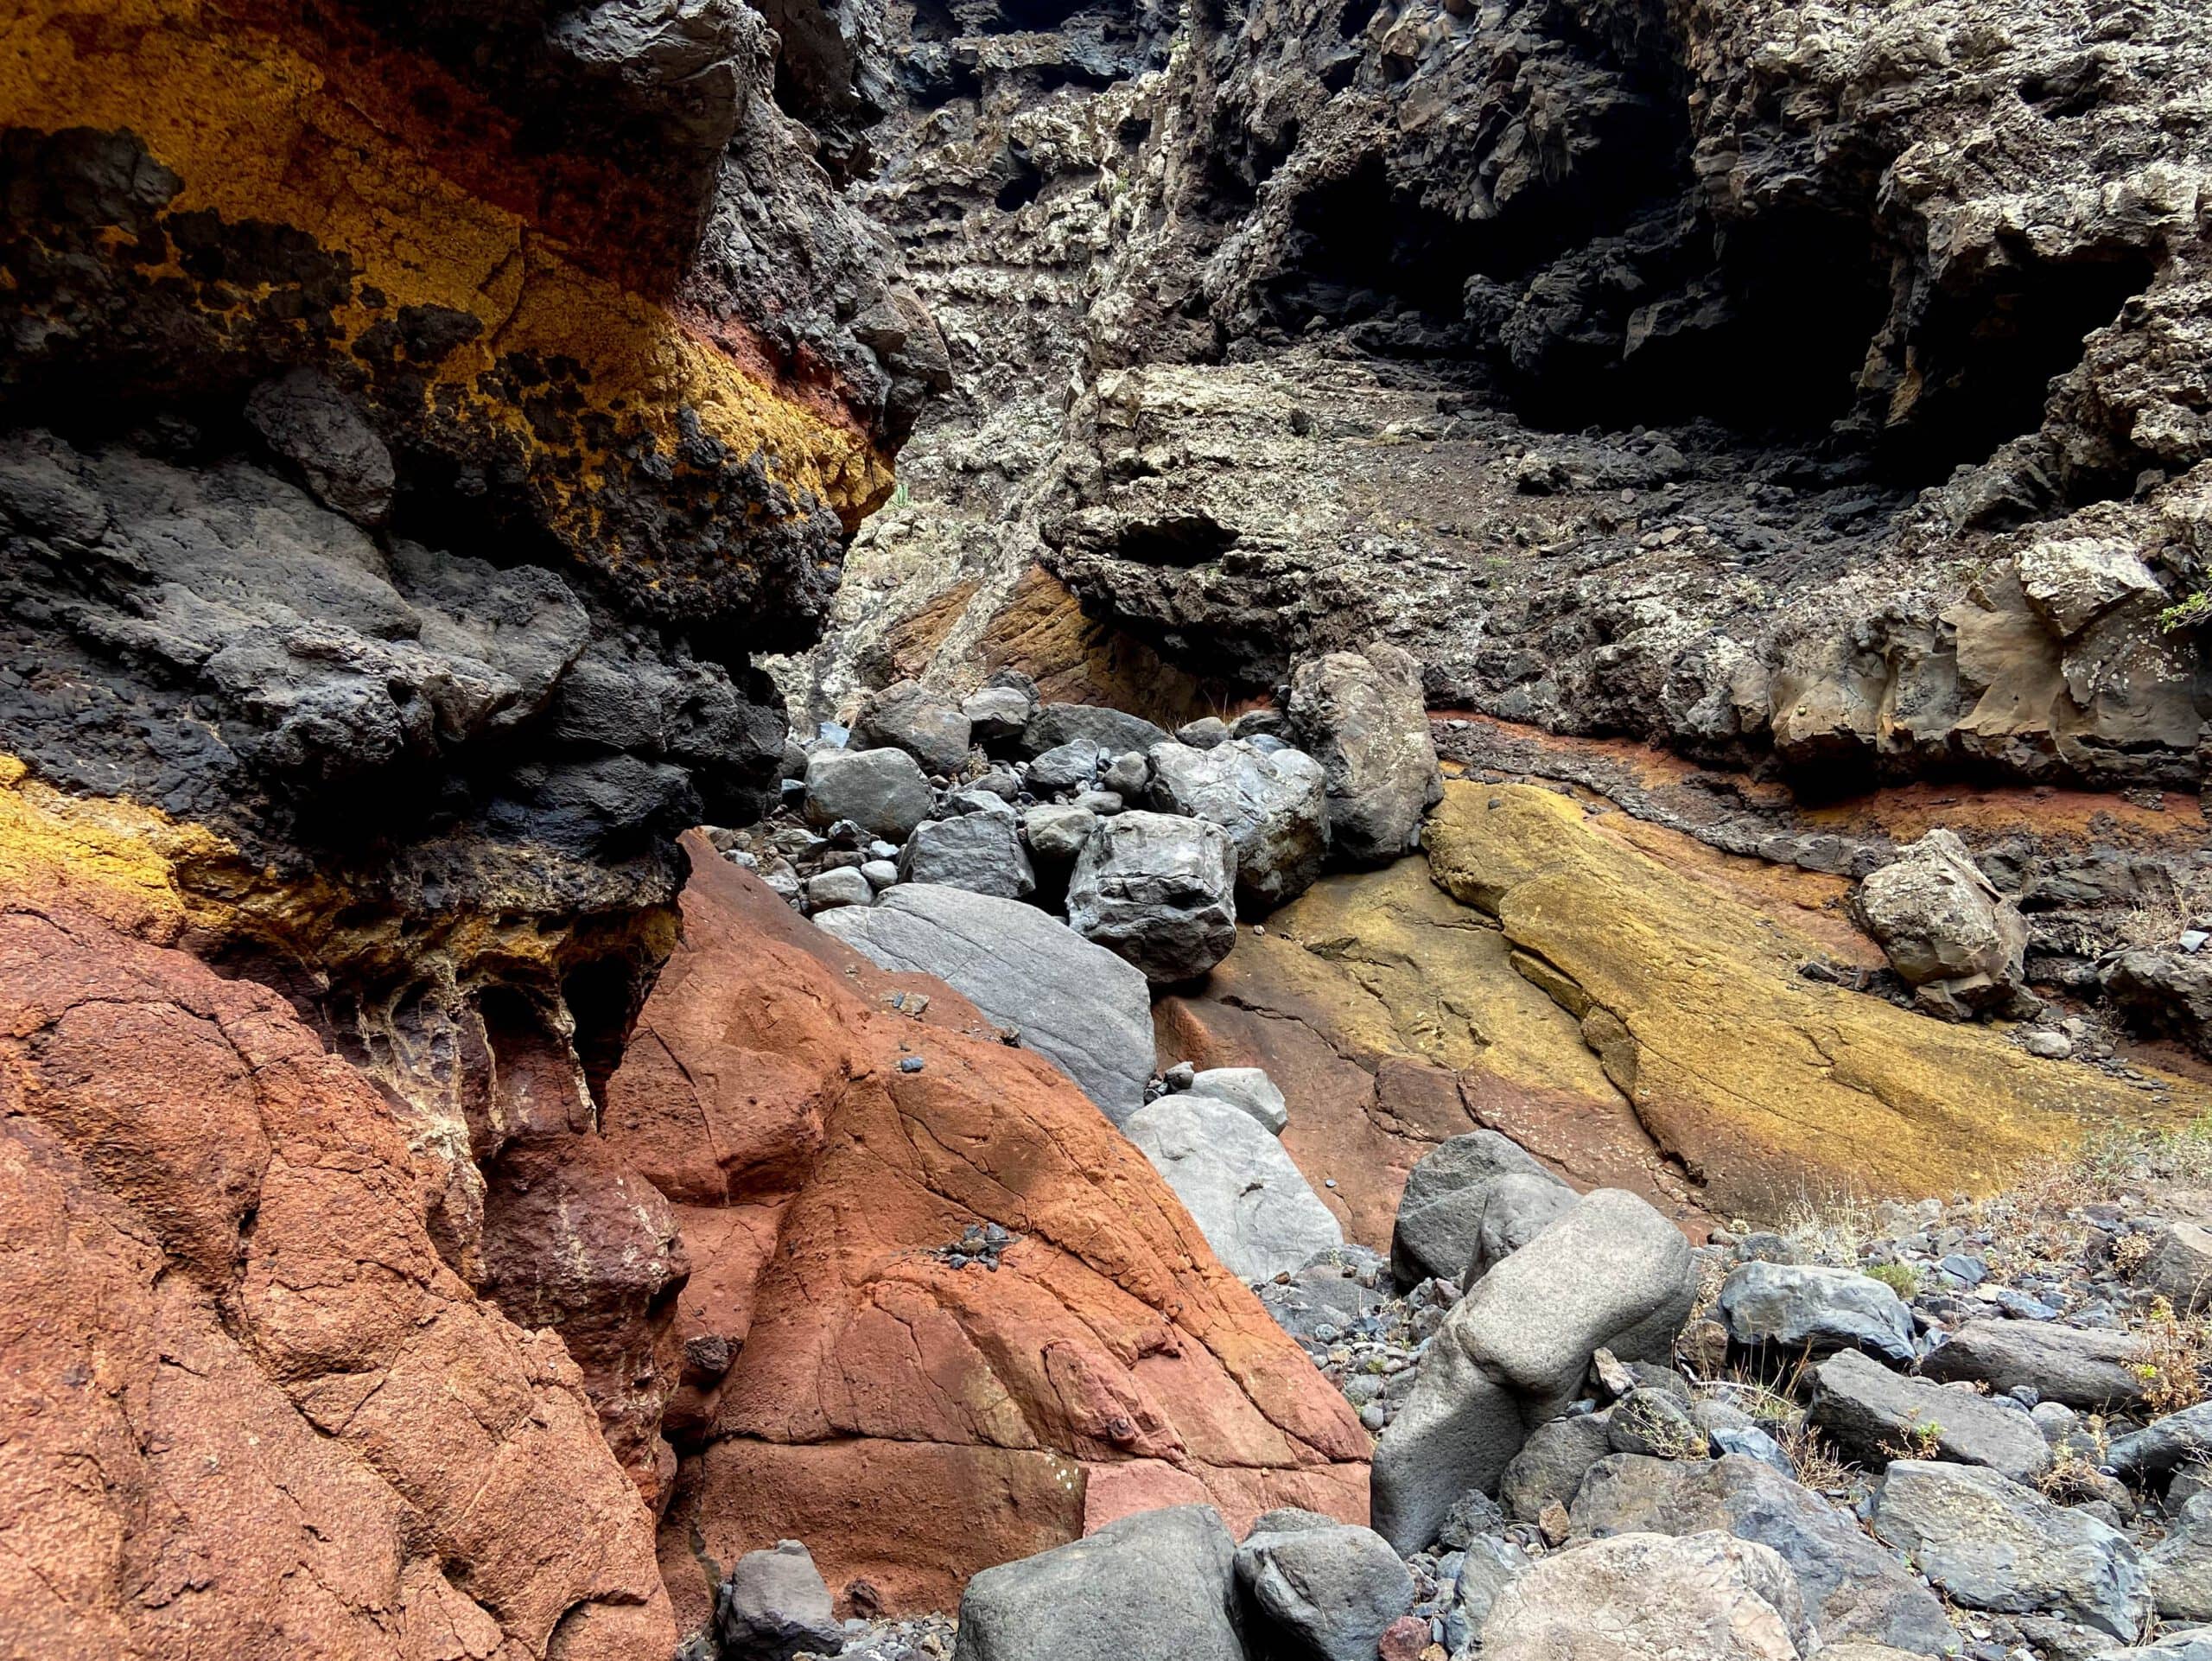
[[311, 1437], [1885, 459], [412, 418], [909, 1413]]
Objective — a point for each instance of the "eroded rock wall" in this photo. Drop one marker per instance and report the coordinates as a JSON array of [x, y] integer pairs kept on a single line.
[[1780, 386]]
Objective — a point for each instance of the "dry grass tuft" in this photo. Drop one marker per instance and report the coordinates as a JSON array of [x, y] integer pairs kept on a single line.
[[2177, 1362], [2160, 922]]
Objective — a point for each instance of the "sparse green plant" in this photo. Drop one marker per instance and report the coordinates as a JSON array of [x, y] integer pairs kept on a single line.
[[2176, 1358], [2191, 613], [1903, 1279], [1922, 1439]]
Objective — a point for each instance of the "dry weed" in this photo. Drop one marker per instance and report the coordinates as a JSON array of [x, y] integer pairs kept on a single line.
[[2160, 922], [2178, 1358]]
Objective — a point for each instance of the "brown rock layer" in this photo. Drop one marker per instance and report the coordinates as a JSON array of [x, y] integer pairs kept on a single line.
[[911, 1419], [246, 1409]]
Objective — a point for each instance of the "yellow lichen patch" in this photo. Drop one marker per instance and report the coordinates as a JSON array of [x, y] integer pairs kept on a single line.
[[114, 858], [1771, 1087], [256, 132]]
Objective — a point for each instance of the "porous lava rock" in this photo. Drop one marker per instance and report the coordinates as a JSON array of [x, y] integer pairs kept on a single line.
[[1106, 1364]]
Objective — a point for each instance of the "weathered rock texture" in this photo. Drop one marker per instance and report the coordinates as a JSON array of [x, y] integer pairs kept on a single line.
[[412, 418], [1818, 387], [911, 1418], [306, 1436], [1765, 1084]]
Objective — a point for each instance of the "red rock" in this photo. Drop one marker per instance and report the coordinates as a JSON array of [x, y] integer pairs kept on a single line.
[[246, 1409], [1405, 1638], [909, 1420]]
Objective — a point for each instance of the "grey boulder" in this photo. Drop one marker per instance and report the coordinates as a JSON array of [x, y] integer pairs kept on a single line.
[[2080, 1366], [774, 1604], [1057, 833], [1945, 928], [1362, 717], [1865, 1410], [998, 710], [1321, 1588], [1161, 1583], [1611, 1274], [844, 885], [2179, 1267], [2181, 1564], [1649, 1597], [1248, 1088], [1065, 766], [2154, 1451], [1077, 1004], [1441, 1211], [907, 716], [883, 791], [1796, 1308], [1990, 1543], [1551, 1465], [1274, 808], [1259, 1214], [1853, 1589], [979, 851], [1158, 891], [1112, 731]]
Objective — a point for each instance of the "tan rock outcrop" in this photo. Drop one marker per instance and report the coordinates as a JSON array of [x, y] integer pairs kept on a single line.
[[1767, 1087]]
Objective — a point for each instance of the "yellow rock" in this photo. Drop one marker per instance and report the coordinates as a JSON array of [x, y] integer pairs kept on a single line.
[[1767, 1087], [1391, 1018]]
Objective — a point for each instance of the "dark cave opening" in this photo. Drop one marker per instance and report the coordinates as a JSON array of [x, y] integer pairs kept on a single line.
[[604, 997], [1181, 540], [1979, 365], [1357, 250]]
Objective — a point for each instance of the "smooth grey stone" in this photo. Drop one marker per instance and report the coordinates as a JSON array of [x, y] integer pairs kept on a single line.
[[2153, 1452], [1273, 807], [1158, 891], [1075, 1003], [1057, 833], [1611, 1274], [882, 790], [908, 716], [1549, 1468], [1112, 731], [1944, 925], [1647, 1597], [1796, 1308], [845, 886], [1248, 1088], [1255, 1209], [1992, 1544], [880, 874], [1066, 766], [774, 1604], [1853, 1589], [1159, 1584], [1322, 1588], [2082, 1367], [1441, 1210], [1204, 732], [1865, 1409], [1127, 776], [996, 714], [2181, 1564]]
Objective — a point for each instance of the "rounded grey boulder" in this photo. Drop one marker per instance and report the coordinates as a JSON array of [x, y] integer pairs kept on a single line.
[[774, 1604], [1077, 1004], [1321, 1588], [907, 716], [1362, 716], [1803, 1307], [882, 790], [1159, 1584], [1273, 806]]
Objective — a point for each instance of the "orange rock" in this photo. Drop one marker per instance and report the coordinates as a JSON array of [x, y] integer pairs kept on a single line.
[[910, 1420], [246, 1409]]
